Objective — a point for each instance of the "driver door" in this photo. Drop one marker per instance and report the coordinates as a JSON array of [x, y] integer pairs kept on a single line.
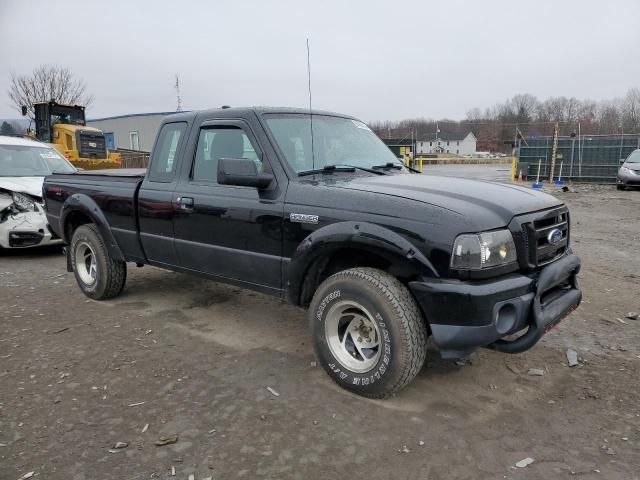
[[228, 231]]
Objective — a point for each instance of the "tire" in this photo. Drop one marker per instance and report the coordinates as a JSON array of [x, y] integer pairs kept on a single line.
[[98, 274], [368, 332], [620, 187]]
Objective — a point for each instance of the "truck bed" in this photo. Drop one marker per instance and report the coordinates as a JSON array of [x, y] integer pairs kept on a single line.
[[114, 193]]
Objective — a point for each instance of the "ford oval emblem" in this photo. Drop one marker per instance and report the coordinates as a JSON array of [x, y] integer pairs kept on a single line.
[[554, 236]]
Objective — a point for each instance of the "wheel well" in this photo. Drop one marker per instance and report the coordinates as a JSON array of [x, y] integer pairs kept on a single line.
[[346, 258], [73, 221]]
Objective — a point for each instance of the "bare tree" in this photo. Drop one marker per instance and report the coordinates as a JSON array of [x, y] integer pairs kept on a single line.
[[524, 106], [474, 115], [47, 82], [631, 111], [609, 117], [494, 127]]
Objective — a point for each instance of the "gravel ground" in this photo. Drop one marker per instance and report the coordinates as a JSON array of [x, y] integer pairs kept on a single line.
[[193, 359]]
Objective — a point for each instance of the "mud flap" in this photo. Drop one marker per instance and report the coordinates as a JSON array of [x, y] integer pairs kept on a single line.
[[67, 252]]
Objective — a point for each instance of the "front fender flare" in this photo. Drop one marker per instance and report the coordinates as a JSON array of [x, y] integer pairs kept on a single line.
[[336, 236], [79, 202]]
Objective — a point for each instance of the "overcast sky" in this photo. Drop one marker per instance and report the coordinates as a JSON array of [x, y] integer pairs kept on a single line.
[[373, 59]]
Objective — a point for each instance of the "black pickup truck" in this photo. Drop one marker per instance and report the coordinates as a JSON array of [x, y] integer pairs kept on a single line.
[[312, 207]]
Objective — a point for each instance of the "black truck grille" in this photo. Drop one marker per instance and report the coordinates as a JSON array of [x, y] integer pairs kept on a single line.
[[542, 237], [92, 145], [547, 248]]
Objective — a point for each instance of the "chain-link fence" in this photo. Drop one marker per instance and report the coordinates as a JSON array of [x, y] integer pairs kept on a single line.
[[588, 158]]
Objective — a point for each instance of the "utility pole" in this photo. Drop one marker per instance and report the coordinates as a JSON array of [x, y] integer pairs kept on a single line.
[[412, 144], [579, 153]]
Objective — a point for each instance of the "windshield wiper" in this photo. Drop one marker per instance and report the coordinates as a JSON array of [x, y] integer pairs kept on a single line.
[[397, 166], [338, 168], [389, 165]]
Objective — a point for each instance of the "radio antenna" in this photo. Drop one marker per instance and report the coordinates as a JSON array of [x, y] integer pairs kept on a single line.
[[313, 155], [177, 88]]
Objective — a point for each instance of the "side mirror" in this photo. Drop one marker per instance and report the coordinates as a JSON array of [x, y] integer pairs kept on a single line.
[[242, 172], [622, 160], [24, 110]]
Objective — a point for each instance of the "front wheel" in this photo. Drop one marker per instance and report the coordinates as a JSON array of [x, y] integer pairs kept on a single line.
[[368, 332], [620, 187], [98, 274]]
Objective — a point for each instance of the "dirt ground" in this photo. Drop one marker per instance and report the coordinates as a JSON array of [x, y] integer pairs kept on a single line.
[[194, 359]]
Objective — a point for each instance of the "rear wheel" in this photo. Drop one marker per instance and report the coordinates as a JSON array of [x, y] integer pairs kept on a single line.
[[98, 274], [368, 332]]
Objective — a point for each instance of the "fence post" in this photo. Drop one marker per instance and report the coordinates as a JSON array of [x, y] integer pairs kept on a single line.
[[573, 145], [554, 152]]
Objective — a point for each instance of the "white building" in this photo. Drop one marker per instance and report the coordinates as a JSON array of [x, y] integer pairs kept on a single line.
[[455, 143], [134, 132]]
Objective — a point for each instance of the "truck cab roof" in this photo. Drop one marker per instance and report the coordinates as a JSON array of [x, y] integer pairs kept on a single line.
[[235, 112]]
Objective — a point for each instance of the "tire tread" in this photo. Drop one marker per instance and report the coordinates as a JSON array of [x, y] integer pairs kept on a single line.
[[414, 344], [116, 270]]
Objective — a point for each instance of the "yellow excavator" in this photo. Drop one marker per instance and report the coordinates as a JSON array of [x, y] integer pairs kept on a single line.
[[65, 128]]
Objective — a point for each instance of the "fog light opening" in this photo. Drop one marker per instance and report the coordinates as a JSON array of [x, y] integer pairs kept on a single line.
[[506, 318]]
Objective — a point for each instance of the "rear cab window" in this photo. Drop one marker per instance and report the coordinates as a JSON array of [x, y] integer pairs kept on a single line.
[[164, 159]]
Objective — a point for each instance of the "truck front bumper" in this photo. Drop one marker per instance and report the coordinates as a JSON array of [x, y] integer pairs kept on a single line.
[[466, 315]]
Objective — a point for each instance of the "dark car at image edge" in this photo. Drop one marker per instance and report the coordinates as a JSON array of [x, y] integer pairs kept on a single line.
[[316, 210]]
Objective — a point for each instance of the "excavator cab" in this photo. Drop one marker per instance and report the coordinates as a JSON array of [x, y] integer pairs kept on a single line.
[[48, 114]]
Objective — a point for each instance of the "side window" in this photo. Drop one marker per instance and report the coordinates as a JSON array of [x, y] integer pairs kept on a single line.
[[220, 142], [164, 161]]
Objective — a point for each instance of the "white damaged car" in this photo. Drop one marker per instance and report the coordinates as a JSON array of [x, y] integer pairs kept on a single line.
[[23, 165]]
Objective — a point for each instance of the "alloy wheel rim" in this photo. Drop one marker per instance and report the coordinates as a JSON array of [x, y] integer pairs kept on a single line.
[[86, 264], [353, 336]]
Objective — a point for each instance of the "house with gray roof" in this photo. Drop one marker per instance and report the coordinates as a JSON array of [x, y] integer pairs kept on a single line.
[[454, 143]]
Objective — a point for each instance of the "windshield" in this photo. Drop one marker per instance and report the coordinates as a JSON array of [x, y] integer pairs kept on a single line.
[[67, 115], [28, 161], [634, 157], [336, 141]]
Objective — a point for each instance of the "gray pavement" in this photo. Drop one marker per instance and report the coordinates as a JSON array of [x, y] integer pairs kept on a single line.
[[499, 172]]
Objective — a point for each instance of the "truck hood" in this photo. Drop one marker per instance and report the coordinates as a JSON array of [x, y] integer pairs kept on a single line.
[[29, 185], [485, 204]]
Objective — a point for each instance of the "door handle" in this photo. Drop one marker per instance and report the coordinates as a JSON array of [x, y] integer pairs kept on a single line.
[[185, 203]]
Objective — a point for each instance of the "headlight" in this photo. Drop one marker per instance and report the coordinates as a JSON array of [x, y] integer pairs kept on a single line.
[[23, 202], [483, 250], [625, 170]]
